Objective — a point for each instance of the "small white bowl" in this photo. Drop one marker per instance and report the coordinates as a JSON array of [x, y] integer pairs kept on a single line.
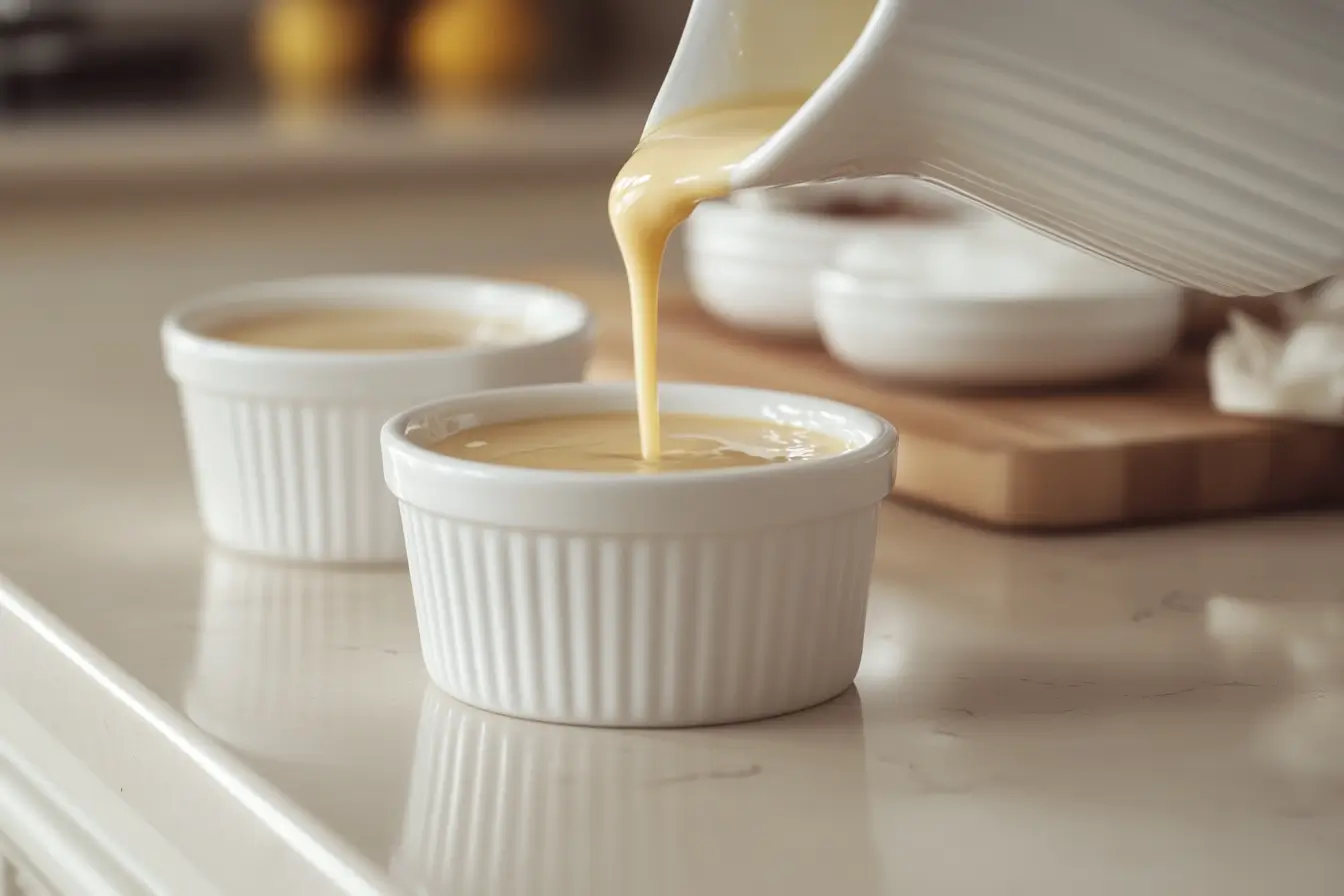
[[629, 600], [751, 261], [284, 442], [991, 305]]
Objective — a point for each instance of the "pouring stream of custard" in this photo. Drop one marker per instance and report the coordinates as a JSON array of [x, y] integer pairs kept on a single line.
[[674, 169]]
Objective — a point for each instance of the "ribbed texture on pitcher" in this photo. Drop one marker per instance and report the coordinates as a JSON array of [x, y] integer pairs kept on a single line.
[[1075, 117], [292, 479], [641, 630]]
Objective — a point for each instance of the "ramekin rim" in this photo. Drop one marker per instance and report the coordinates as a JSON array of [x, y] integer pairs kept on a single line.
[[180, 337], [394, 442]]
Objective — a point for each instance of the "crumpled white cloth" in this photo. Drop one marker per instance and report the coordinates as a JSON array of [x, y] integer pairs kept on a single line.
[[1297, 374]]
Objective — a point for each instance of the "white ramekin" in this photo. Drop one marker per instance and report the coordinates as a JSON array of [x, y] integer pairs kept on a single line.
[[992, 305], [634, 600], [284, 443]]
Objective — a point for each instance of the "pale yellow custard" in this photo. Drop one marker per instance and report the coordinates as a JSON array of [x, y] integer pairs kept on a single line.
[[672, 170], [610, 443], [364, 329]]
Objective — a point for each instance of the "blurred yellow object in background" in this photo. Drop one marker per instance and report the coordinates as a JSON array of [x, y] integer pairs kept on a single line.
[[312, 52], [474, 49]]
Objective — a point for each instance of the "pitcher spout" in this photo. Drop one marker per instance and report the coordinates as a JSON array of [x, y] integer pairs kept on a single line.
[[812, 53]]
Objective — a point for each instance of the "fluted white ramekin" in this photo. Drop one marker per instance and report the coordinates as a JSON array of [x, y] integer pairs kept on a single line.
[[284, 442], [607, 599]]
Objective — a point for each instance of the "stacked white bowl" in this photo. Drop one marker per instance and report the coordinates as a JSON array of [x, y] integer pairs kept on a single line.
[[990, 304], [942, 294], [752, 259]]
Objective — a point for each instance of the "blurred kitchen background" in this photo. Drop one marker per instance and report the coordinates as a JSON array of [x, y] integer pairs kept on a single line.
[[440, 134], [223, 140], [191, 58]]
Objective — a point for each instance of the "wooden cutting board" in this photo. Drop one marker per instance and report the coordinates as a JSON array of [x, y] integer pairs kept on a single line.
[[1140, 452]]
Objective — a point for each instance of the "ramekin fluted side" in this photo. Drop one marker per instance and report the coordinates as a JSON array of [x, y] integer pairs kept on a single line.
[[295, 479], [653, 630]]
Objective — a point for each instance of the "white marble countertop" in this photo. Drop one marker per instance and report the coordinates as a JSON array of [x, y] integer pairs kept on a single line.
[[1157, 712]]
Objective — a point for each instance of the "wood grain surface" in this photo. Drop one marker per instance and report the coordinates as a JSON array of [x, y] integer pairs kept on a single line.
[[1142, 451]]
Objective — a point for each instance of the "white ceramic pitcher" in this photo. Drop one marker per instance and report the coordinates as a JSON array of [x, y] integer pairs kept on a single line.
[[1201, 141]]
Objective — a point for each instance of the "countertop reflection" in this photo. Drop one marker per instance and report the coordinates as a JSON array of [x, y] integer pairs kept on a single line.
[[298, 663], [1086, 715], [1151, 712], [312, 674], [510, 807]]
